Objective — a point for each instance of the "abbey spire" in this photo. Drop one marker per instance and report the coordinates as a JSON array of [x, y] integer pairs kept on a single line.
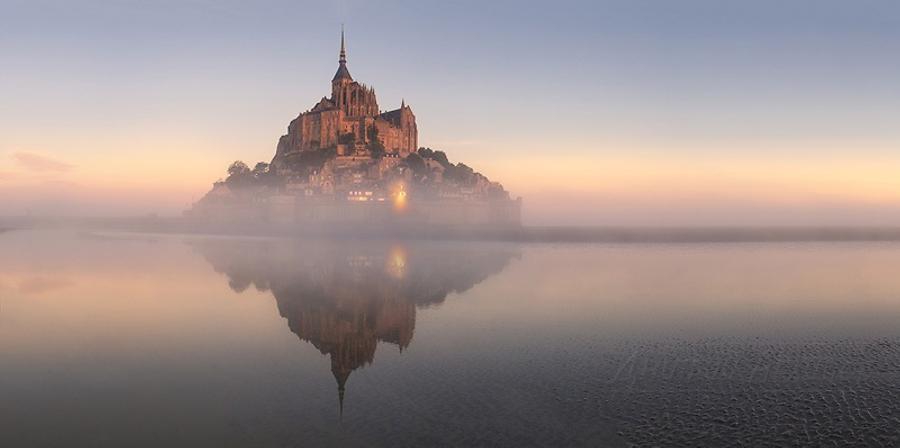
[[342, 72], [343, 58]]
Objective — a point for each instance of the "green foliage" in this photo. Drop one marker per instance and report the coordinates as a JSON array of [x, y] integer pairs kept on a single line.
[[441, 158], [263, 176], [239, 174], [460, 174], [260, 169], [238, 168], [425, 153], [376, 149], [438, 156], [416, 164]]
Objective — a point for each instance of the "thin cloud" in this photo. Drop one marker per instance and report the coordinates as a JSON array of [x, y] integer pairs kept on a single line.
[[38, 163], [41, 285]]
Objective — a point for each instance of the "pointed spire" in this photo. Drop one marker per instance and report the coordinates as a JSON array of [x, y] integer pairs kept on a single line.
[[403, 103], [340, 374], [343, 59], [342, 72], [341, 402]]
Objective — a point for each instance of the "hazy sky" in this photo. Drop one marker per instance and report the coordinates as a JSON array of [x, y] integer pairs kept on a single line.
[[596, 112]]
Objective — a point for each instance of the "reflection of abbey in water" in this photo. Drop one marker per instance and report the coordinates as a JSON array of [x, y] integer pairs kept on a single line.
[[345, 298]]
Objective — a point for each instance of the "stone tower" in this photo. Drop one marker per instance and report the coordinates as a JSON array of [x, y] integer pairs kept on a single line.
[[356, 100]]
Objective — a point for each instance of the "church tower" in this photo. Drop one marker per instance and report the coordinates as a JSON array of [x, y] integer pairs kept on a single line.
[[355, 99], [339, 84]]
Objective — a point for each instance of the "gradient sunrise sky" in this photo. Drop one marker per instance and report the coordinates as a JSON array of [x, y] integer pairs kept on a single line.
[[692, 112]]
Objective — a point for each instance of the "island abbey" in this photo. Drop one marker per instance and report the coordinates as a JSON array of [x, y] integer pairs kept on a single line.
[[350, 121], [345, 162]]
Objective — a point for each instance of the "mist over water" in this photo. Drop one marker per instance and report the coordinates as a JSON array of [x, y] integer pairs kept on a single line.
[[112, 339]]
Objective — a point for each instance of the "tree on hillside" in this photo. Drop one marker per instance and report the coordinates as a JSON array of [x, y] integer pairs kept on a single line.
[[416, 164], [425, 153], [438, 156], [460, 174], [238, 168], [441, 158], [376, 149], [263, 175], [239, 174], [261, 169]]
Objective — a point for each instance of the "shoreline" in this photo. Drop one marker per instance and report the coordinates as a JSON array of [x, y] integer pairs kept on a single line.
[[523, 234]]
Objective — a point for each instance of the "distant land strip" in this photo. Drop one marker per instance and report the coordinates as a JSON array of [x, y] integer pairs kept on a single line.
[[708, 234], [524, 234]]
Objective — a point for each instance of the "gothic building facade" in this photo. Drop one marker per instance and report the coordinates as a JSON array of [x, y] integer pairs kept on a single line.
[[350, 122]]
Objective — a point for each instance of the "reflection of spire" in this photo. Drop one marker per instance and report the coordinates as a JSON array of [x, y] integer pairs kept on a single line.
[[341, 389], [340, 374], [352, 296]]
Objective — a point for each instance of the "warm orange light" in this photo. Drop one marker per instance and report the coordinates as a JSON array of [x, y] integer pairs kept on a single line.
[[400, 198]]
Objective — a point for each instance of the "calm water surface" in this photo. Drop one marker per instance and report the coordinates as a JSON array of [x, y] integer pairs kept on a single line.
[[145, 340]]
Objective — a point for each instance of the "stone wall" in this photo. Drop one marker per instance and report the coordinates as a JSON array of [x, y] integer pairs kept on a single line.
[[323, 129]]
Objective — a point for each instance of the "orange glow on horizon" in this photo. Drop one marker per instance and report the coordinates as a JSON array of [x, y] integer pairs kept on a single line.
[[156, 176]]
